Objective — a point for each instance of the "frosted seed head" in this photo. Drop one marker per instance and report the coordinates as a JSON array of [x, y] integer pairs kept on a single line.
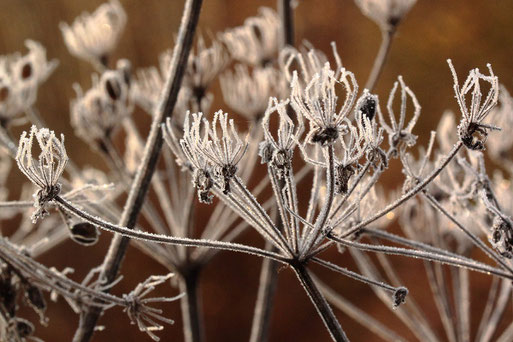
[[44, 171], [400, 296], [386, 13], [93, 37]]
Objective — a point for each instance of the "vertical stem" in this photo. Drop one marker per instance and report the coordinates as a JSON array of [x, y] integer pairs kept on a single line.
[[320, 303], [191, 307], [140, 185], [287, 19], [265, 299], [381, 58]]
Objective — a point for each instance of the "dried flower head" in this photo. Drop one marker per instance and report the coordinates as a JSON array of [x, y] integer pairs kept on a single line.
[[279, 151], [399, 133], [318, 103], [147, 89], [46, 170], [221, 153], [248, 94], [93, 37], [203, 66], [257, 41], [386, 13], [138, 309], [471, 130], [20, 77], [97, 113]]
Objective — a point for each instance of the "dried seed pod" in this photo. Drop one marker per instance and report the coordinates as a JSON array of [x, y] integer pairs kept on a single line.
[[84, 233], [23, 327], [35, 299], [400, 296]]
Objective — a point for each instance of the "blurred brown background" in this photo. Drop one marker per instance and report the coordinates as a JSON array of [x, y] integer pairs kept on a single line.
[[471, 32]]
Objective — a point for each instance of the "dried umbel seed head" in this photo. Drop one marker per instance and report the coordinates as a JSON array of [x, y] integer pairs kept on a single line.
[[471, 130], [248, 93], [47, 169], [93, 37], [20, 77], [400, 296], [386, 13], [211, 150], [318, 103], [367, 105], [96, 114], [257, 42]]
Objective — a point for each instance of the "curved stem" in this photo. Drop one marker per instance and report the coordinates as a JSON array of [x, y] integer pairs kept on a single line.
[[381, 57], [140, 185]]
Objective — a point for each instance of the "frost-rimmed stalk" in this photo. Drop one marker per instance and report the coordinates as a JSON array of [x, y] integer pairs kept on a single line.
[[387, 37], [142, 180], [320, 303], [409, 194], [457, 261]]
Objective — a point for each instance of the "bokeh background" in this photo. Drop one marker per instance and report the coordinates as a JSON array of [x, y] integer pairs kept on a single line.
[[471, 32]]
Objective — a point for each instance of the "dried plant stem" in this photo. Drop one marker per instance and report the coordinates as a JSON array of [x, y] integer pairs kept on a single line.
[[142, 180], [265, 299], [165, 239], [449, 260], [381, 57], [191, 307], [320, 303], [409, 194], [287, 18]]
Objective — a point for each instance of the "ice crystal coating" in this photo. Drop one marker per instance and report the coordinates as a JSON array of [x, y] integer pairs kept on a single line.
[[46, 170], [472, 132]]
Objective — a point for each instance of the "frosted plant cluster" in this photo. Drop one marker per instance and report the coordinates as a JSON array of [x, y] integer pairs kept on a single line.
[[315, 148]]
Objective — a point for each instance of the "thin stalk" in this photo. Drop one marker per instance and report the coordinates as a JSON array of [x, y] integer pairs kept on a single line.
[[444, 259], [320, 303], [166, 239], [265, 299], [409, 194], [381, 57], [140, 185], [287, 18], [191, 306]]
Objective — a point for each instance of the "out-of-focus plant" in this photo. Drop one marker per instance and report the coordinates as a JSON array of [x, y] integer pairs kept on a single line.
[[308, 120]]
